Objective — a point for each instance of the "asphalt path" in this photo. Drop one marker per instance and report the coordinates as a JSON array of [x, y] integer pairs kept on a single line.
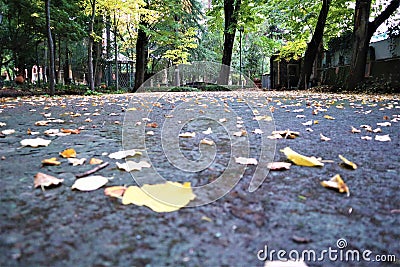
[[291, 211]]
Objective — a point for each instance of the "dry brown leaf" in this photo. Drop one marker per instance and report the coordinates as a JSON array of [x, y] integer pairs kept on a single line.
[[42, 123], [71, 131], [43, 180], [68, 153], [152, 125]]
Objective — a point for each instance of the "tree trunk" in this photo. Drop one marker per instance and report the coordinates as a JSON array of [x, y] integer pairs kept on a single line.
[[231, 11], [313, 45], [141, 56], [362, 33], [90, 77], [67, 79], [50, 45]]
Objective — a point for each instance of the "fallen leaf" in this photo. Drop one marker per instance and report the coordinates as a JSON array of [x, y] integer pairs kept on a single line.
[[152, 125], [383, 138], [29, 132], [336, 182], [51, 161], [347, 163], [68, 153], [35, 142], [187, 134], [42, 123], [329, 117], [115, 191], [70, 131], [167, 197], [208, 131], [90, 183], [43, 180], [205, 218], [124, 153], [279, 166], [366, 137], [223, 120], [288, 134], [206, 141], [133, 166], [2, 124], [150, 133], [355, 130], [301, 160], [240, 133], [265, 118], [308, 123], [246, 161], [8, 131], [94, 161], [377, 130], [384, 124], [76, 162], [258, 131], [324, 138]]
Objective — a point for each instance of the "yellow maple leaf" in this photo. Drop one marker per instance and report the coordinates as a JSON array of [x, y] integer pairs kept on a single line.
[[301, 160], [68, 153], [167, 197]]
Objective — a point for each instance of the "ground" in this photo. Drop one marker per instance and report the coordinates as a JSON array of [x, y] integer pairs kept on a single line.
[[289, 211]]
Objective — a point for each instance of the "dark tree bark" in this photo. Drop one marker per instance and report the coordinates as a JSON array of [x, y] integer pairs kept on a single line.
[[362, 33], [313, 45], [50, 45], [90, 77], [142, 44], [231, 13]]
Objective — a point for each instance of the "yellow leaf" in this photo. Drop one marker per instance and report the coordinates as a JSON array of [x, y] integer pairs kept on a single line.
[[347, 163], [336, 182], [51, 161], [301, 160], [329, 117], [94, 161], [167, 197], [68, 153]]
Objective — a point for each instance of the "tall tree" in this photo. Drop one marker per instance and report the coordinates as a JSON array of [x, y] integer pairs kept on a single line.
[[313, 45], [50, 45], [90, 45], [141, 54], [362, 33], [231, 15]]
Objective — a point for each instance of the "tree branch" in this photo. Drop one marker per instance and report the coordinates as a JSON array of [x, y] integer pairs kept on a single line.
[[381, 18]]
